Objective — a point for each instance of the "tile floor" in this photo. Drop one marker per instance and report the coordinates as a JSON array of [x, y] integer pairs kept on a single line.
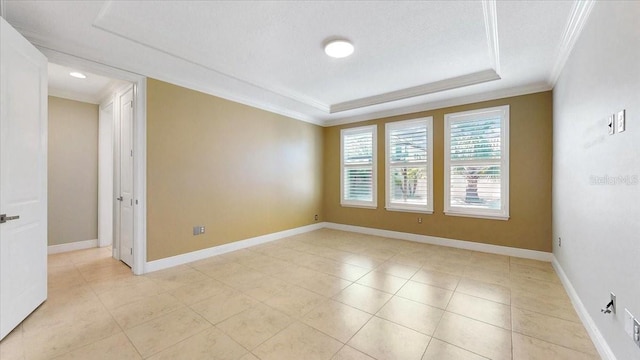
[[321, 295]]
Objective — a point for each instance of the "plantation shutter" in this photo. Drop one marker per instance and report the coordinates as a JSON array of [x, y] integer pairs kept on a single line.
[[358, 166]]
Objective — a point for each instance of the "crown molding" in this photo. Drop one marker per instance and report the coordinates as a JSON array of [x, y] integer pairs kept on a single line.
[[430, 88], [72, 95], [463, 100], [577, 19], [491, 26]]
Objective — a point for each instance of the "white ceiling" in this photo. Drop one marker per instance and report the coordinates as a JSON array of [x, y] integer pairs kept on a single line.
[[409, 55], [93, 89]]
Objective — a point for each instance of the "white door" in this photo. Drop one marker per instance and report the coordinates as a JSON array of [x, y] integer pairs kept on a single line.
[[126, 178], [23, 178]]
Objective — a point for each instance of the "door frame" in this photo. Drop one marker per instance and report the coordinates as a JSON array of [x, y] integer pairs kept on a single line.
[[139, 143]]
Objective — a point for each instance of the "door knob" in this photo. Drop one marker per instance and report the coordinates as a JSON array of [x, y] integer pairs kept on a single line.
[[4, 218], [120, 198]]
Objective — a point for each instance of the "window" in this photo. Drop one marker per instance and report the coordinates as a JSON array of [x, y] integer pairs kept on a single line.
[[409, 165], [477, 163], [358, 167]]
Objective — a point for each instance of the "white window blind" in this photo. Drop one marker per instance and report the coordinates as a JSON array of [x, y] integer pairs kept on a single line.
[[409, 165], [358, 167], [477, 163]]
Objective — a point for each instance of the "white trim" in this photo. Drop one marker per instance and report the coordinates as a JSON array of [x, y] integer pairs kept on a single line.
[[491, 28], [469, 116], [140, 137], [462, 100], [428, 165], [424, 89], [596, 336], [578, 18], [373, 129], [223, 249], [72, 246], [460, 244]]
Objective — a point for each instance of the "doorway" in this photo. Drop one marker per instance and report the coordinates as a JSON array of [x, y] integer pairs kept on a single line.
[[121, 161]]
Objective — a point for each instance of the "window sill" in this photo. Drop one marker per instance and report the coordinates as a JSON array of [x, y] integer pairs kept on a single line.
[[361, 206], [417, 211], [479, 216]]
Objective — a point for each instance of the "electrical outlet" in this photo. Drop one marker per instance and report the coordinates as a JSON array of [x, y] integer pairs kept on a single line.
[[559, 241], [419, 220], [620, 118], [632, 327], [198, 230], [201, 229], [315, 217]]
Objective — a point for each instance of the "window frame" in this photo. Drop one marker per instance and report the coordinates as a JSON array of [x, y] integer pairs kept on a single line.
[[503, 212], [373, 204], [428, 163]]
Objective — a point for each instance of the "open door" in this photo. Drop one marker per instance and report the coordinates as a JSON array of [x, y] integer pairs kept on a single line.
[[125, 178], [23, 178]]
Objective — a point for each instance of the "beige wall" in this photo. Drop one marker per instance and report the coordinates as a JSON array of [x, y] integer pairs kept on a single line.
[[529, 226], [73, 171], [240, 171]]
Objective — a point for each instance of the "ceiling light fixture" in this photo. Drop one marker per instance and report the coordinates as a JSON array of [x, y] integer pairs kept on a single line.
[[338, 48], [78, 75]]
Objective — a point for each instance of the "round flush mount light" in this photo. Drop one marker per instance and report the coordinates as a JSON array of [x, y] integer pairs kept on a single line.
[[78, 75], [338, 48]]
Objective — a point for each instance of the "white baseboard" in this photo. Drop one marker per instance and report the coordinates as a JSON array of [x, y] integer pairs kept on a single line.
[[77, 245], [223, 249], [596, 336], [468, 245]]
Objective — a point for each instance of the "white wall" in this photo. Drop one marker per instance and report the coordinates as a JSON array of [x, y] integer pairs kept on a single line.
[[600, 224]]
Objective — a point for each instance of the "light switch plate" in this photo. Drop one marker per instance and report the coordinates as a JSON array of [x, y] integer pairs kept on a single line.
[[611, 122], [620, 121], [628, 323]]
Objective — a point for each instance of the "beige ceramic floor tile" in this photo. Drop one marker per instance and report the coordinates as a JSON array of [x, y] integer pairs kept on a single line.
[[298, 341], [325, 285], [252, 327], [411, 314], [490, 261], [480, 309], [73, 332], [540, 273], [176, 277], [63, 277], [160, 333], [363, 298], [249, 356], [128, 291], [488, 275], [425, 294], [362, 261], [550, 304], [530, 262], [551, 329], [484, 290], [440, 350], [336, 319], [382, 281], [209, 344], [12, 346], [114, 347], [295, 302], [382, 340], [475, 336], [198, 291], [442, 265], [346, 271], [108, 269], [219, 269], [223, 305], [436, 278], [90, 255], [146, 309], [243, 280], [349, 353], [267, 287], [528, 348], [396, 269], [410, 260]]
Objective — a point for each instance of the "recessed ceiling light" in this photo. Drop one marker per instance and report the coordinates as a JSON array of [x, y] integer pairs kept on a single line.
[[78, 75], [338, 48]]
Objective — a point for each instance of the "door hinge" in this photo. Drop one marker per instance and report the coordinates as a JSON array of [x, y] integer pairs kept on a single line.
[[131, 251], [131, 103], [131, 152], [131, 202]]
